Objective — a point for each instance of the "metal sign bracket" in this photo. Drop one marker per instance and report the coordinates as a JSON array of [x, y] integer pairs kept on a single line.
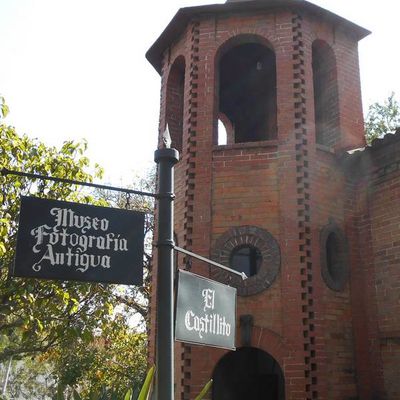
[[208, 261]]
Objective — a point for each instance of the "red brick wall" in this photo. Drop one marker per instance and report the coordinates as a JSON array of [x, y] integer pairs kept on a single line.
[[373, 225], [285, 186], [383, 193], [345, 50], [245, 192], [363, 295], [329, 195]]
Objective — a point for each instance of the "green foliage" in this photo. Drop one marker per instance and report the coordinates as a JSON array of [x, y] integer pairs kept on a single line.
[[37, 315], [382, 119], [205, 390], [114, 361], [104, 393], [3, 108], [29, 379], [81, 330]]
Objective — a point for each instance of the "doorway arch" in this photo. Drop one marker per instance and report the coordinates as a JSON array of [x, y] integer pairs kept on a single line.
[[248, 373]]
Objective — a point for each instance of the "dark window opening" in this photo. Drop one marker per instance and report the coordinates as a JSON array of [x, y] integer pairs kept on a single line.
[[247, 91], [249, 249], [175, 102], [246, 259], [334, 257], [334, 262], [326, 101], [248, 373]]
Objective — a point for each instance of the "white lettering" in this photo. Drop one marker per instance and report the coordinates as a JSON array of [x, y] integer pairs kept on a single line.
[[104, 224], [39, 234], [48, 255], [208, 298], [213, 324], [67, 218], [57, 246]]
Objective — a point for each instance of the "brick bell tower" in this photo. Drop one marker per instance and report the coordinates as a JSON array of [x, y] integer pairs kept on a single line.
[[261, 99]]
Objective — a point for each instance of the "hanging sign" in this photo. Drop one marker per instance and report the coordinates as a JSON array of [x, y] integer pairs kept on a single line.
[[205, 312], [70, 241]]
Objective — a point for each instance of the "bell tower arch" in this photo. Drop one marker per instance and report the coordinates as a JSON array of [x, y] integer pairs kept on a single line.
[[260, 200], [246, 87]]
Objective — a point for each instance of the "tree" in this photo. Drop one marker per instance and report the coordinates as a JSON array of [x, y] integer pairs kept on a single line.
[[382, 119], [30, 379], [46, 319], [116, 359], [37, 315], [135, 298], [112, 363]]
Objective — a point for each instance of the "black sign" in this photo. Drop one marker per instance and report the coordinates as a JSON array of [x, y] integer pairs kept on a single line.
[[205, 312], [70, 241]]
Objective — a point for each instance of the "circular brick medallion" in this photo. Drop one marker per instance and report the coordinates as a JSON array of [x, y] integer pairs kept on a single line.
[[252, 237]]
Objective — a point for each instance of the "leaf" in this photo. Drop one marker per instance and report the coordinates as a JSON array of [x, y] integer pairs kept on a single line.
[[204, 391], [143, 395], [4, 110], [66, 298], [128, 395], [2, 249], [39, 324]]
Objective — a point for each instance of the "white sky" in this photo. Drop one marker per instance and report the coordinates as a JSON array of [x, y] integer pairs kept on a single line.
[[72, 69]]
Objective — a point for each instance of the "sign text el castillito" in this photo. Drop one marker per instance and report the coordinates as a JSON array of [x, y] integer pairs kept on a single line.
[[206, 312]]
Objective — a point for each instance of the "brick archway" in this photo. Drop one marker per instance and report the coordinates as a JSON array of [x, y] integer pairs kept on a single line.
[[248, 373], [269, 341]]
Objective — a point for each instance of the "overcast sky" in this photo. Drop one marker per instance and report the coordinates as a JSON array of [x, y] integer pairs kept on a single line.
[[74, 69]]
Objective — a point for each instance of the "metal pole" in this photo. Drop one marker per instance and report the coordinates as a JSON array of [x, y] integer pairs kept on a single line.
[[166, 159], [5, 172], [3, 392]]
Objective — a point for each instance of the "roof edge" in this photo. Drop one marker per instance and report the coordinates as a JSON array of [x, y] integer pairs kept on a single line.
[[178, 23]]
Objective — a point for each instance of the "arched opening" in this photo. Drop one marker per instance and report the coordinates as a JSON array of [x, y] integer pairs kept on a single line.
[[334, 266], [175, 102], [222, 134], [248, 373], [247, 90], [334, 256], [225, 130], [326, 100]]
